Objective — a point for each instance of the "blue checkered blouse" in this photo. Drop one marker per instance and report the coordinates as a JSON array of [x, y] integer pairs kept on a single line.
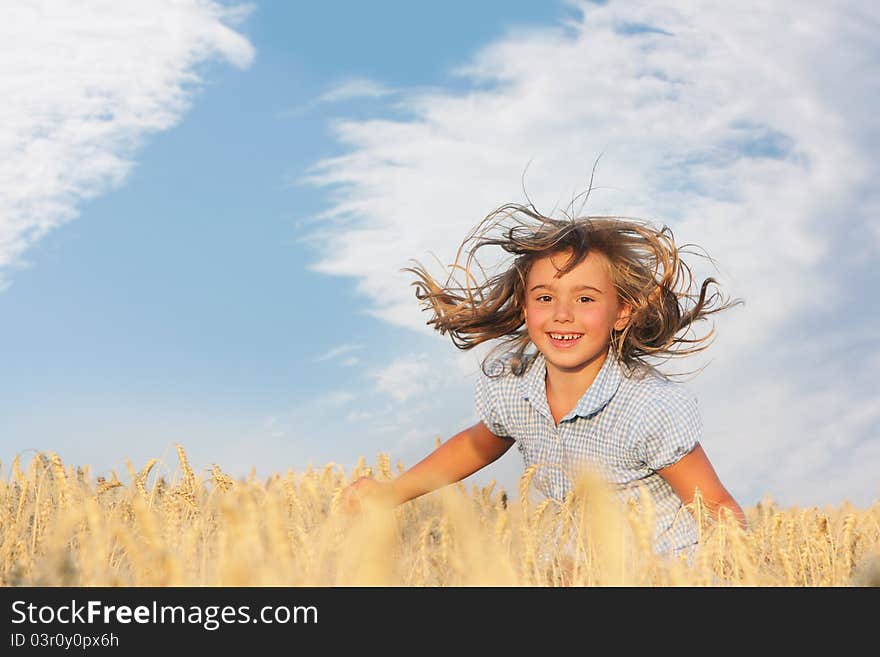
[[630, 426]]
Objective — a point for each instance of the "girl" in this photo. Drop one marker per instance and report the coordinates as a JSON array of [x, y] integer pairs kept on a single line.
[[582, 307]]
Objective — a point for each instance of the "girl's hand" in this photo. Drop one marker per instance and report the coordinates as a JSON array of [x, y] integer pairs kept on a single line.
[[366, 489]]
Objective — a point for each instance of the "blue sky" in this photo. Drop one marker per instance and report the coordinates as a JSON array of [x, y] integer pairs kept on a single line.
[[216, 263]]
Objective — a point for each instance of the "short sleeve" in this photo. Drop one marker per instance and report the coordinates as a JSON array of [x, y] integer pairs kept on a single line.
[[488, 410], [671, 428]]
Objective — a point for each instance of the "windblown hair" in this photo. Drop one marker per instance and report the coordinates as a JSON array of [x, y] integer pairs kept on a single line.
[[645, 266]]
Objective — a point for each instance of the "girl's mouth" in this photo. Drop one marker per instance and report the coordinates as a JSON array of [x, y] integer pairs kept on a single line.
[[564, 340]]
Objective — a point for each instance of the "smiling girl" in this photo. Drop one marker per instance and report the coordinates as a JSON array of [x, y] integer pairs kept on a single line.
[[583, 306]]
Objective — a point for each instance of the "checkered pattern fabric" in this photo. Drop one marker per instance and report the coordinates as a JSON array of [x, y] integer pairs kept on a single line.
[[627, 425]]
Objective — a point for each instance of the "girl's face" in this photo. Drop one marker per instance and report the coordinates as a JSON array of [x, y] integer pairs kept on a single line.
[[570, 318]]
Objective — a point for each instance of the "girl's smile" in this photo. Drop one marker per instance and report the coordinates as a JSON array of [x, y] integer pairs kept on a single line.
[[564, 340]]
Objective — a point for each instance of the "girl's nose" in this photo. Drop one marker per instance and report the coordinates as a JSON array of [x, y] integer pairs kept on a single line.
[[562, 311]]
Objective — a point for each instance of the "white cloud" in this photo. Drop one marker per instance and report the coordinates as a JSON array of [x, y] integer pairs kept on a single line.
[[355, 88], [336, 352], [747, 128], [408, 377], [82, 84]]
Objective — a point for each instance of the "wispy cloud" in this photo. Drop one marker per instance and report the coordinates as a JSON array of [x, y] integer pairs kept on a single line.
[[355, 88], [343, 91], [337, 352], [745, 128], [82, 85], [407, 377]]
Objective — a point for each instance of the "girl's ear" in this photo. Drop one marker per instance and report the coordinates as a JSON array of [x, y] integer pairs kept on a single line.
[[623, 316]]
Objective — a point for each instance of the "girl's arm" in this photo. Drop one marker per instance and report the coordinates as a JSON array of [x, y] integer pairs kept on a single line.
[[460, 456], [695, 471]]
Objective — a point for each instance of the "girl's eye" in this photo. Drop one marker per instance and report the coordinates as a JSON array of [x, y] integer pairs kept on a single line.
[[547, 298]]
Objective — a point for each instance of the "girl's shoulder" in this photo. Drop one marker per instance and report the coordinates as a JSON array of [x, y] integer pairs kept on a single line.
[[648, 386]]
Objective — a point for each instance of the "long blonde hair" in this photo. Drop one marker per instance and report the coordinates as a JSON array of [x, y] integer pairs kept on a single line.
[[645, 265]]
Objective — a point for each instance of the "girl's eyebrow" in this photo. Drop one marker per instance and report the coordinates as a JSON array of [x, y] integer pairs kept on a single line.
[[575, 289]]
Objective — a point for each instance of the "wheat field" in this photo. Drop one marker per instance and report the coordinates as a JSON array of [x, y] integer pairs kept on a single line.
[[61, 527]]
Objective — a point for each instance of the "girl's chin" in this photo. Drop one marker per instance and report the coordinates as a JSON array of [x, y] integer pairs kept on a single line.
[[571, 359]]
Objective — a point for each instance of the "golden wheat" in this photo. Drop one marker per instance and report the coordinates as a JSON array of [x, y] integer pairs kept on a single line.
[[58, 527]]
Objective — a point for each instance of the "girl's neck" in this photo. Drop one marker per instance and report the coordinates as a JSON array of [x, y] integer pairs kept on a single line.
[[572, 384]]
